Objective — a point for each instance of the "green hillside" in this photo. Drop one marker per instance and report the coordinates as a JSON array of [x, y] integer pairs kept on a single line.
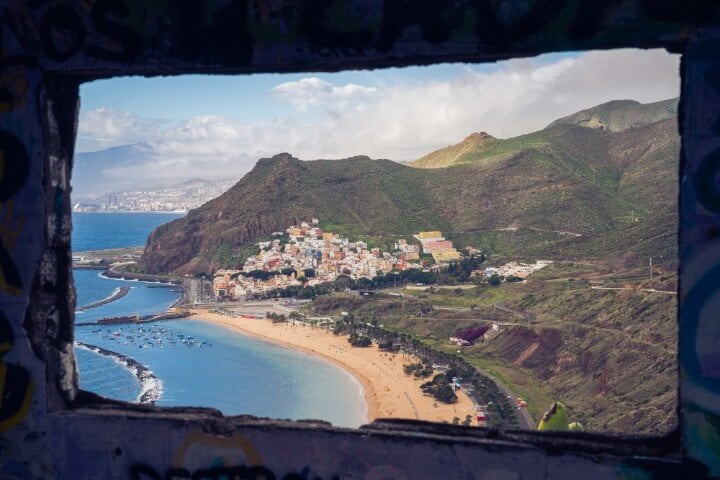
[[615, 116], [609, 355], [620, 115], [567, 191]]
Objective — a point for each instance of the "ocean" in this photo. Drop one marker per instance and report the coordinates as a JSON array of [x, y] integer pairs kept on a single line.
[[194, 363]]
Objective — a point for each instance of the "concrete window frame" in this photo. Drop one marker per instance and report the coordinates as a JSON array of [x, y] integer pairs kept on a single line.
[[61, 107], [62, 44]]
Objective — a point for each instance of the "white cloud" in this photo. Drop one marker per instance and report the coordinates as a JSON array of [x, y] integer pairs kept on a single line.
[[402, 121], [106, 127], [312, 91]]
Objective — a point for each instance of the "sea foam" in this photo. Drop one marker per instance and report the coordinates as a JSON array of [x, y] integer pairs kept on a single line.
[[151, 387]]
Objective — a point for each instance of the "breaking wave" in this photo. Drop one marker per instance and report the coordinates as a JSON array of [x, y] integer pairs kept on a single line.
[[151, 387]]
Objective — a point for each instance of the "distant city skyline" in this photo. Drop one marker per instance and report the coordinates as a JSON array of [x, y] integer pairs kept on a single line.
[[215, 126]]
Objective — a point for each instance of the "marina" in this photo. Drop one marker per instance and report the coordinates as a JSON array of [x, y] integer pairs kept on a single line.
[[149, 336]]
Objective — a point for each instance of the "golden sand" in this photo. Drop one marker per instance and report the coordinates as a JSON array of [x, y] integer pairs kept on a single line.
[[389, 393]]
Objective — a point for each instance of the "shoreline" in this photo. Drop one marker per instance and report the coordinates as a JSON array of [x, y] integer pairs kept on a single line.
[[165, 212], [387, 391], [367, 389]]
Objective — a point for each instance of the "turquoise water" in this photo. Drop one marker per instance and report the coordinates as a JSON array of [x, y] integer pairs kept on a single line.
[[102, 375], [238, 374], [222, 369], [142, 299]]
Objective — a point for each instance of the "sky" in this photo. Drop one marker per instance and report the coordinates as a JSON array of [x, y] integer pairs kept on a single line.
[[215, 126]]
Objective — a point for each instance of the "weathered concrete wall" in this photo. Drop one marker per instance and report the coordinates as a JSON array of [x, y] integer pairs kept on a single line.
[[50, 429]]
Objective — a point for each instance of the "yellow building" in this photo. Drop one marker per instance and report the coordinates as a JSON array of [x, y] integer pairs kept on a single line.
[[446, 255], [328, 237], [432, 234], [222, 282]]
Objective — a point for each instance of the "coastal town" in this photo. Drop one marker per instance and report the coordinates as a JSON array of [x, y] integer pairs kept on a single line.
[[178, 198], [305, 255]]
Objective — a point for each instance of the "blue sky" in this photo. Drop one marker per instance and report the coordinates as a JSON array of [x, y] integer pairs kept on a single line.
[[218, 125], [246, 97], [243, 97]]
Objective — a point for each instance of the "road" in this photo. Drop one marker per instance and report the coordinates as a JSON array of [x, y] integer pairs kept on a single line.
[[651, 290], [196, 291], [508, 310], [525, 420]]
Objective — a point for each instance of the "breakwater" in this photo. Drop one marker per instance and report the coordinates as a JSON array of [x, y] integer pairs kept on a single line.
[[125, 319], [169, 316], [117, 320], [143, 277], [117, 294], [151, 387]]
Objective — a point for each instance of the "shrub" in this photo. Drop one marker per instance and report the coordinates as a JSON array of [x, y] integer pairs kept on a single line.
[[388, 346], [445, 394], [439, 388], [359, 340], [339, 328], [411, 368], [423, 372]]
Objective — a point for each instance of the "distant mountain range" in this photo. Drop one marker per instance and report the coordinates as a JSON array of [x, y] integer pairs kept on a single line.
[[601, 183], [92, 171]]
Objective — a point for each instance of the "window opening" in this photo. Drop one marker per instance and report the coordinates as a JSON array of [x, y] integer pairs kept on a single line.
[[517, 249]]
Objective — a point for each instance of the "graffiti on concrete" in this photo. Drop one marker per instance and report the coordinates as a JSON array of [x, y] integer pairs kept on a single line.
[[100, 38], [13, 84], [59, 32], [706, 186], [209, 32], [198, 446], [220, 472], [15, 385], [205, 456], [14, 170]]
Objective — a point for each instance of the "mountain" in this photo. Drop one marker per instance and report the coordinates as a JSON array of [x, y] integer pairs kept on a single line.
[[572, 190], [466, 151], [356, 195], [620, 115], [92, 171], [614, 116]]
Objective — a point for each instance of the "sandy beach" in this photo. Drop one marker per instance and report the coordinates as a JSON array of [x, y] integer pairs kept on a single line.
[[388, 391]]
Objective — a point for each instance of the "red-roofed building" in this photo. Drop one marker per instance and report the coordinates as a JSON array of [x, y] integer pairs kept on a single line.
[[440, 244]]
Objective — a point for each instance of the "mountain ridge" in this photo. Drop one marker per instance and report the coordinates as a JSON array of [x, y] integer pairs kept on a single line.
[[615, 188], [619, 115], [614, 116]]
